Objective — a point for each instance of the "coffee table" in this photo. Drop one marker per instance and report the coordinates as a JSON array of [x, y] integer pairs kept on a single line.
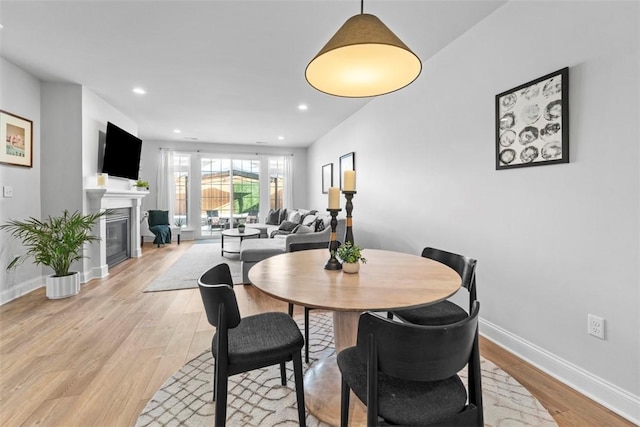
[[233, 232], [388, 281]]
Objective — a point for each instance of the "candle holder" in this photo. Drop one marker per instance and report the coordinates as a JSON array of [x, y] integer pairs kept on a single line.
[[349, 196], [333, 263]]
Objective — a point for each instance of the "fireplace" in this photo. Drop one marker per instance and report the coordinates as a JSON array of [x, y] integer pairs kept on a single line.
[[120, 200], [117, 241]]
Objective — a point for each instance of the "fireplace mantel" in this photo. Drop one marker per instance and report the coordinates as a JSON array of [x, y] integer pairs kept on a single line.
[[105, 198]]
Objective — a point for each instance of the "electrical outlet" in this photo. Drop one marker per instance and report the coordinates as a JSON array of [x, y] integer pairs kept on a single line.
[[595, 326], [7, 191]]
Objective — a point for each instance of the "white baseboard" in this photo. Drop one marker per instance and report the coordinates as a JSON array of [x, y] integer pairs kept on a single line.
[[609, 395], [94, 273], [21, 289]]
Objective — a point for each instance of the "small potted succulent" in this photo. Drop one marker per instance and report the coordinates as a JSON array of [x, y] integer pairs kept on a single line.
[[142, 185], [351, 256], [241, 228]]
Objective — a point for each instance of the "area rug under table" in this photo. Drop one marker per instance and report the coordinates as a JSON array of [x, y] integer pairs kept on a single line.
[[256, 398], [184, 273]]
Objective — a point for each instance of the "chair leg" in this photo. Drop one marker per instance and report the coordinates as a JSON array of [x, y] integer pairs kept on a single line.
[[306, 334], [344, 404], [283, 374], [290, 309], [221, 402], [297, 374], [215, 376]]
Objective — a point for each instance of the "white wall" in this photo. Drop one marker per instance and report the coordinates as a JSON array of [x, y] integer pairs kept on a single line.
[[20, 95], [96, 112], [61, 184], [72, 120], [553, 243]]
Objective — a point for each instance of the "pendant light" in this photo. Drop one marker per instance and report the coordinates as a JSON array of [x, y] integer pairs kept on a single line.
[[364, 58]]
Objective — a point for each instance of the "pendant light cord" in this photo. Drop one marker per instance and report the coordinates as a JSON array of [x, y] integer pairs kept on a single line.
[[361, 7]]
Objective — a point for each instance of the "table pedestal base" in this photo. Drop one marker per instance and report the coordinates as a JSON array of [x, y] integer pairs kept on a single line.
[[322, 395]]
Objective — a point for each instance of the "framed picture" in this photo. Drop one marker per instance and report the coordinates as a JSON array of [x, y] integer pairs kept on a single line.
[[327, 177], [347, 163], [532, 123], [16, 138]]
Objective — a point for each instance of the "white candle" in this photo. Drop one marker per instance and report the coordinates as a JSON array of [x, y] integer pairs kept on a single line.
[[349, 181], [102, 180], [334, 198]]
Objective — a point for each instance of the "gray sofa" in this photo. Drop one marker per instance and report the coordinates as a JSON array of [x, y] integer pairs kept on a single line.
[[253, 251]]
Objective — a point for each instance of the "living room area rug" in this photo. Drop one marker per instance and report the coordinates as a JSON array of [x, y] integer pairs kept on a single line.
[[185, 271], [257, 398]]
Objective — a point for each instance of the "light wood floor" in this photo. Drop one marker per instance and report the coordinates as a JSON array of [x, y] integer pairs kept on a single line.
[[96, 358]]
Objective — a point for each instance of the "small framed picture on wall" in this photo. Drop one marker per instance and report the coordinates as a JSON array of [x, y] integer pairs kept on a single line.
[[347, 163], [16, 140], [532, 123], [327, 177]]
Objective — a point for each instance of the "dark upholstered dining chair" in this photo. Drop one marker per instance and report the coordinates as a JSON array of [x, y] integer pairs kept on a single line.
[[294, 247], [408, 374], [244, 344], [444, 312]]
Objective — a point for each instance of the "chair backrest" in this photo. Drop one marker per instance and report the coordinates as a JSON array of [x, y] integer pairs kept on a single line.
[[418, 352], [216, 290], [464, 266], [158, 217]]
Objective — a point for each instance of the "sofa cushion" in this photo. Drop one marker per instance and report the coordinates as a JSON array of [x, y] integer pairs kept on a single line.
[[319, 224], [273, 217], [254, 250]]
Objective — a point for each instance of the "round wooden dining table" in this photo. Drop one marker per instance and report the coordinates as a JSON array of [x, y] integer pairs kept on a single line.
[[389, 280]]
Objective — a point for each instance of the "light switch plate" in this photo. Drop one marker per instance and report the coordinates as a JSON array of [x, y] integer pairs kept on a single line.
[[7, 191]]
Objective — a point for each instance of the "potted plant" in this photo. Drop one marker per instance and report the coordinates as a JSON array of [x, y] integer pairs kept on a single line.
[[56, 243], [141, 185], [351, 256], [241, 228]]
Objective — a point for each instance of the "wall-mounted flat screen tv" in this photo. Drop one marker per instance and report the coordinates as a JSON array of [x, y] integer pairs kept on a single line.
[[121, 153]]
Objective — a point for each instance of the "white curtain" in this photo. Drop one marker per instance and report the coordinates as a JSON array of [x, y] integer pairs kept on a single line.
[[287, 192], [166, 183]]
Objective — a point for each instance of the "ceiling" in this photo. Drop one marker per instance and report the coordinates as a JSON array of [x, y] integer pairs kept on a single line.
[[219, 71]]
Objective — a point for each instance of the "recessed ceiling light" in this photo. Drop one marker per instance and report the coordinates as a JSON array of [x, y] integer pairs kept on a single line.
[[139, 90], [281, 137], [177, 131], [302, 107]]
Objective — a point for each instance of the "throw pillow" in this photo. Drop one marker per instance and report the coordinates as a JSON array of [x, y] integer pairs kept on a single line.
[[287, 226], [273, 217], [303, 229], [283, 215], [309, 219], [293, 216], [319, 225], [158, 218]]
